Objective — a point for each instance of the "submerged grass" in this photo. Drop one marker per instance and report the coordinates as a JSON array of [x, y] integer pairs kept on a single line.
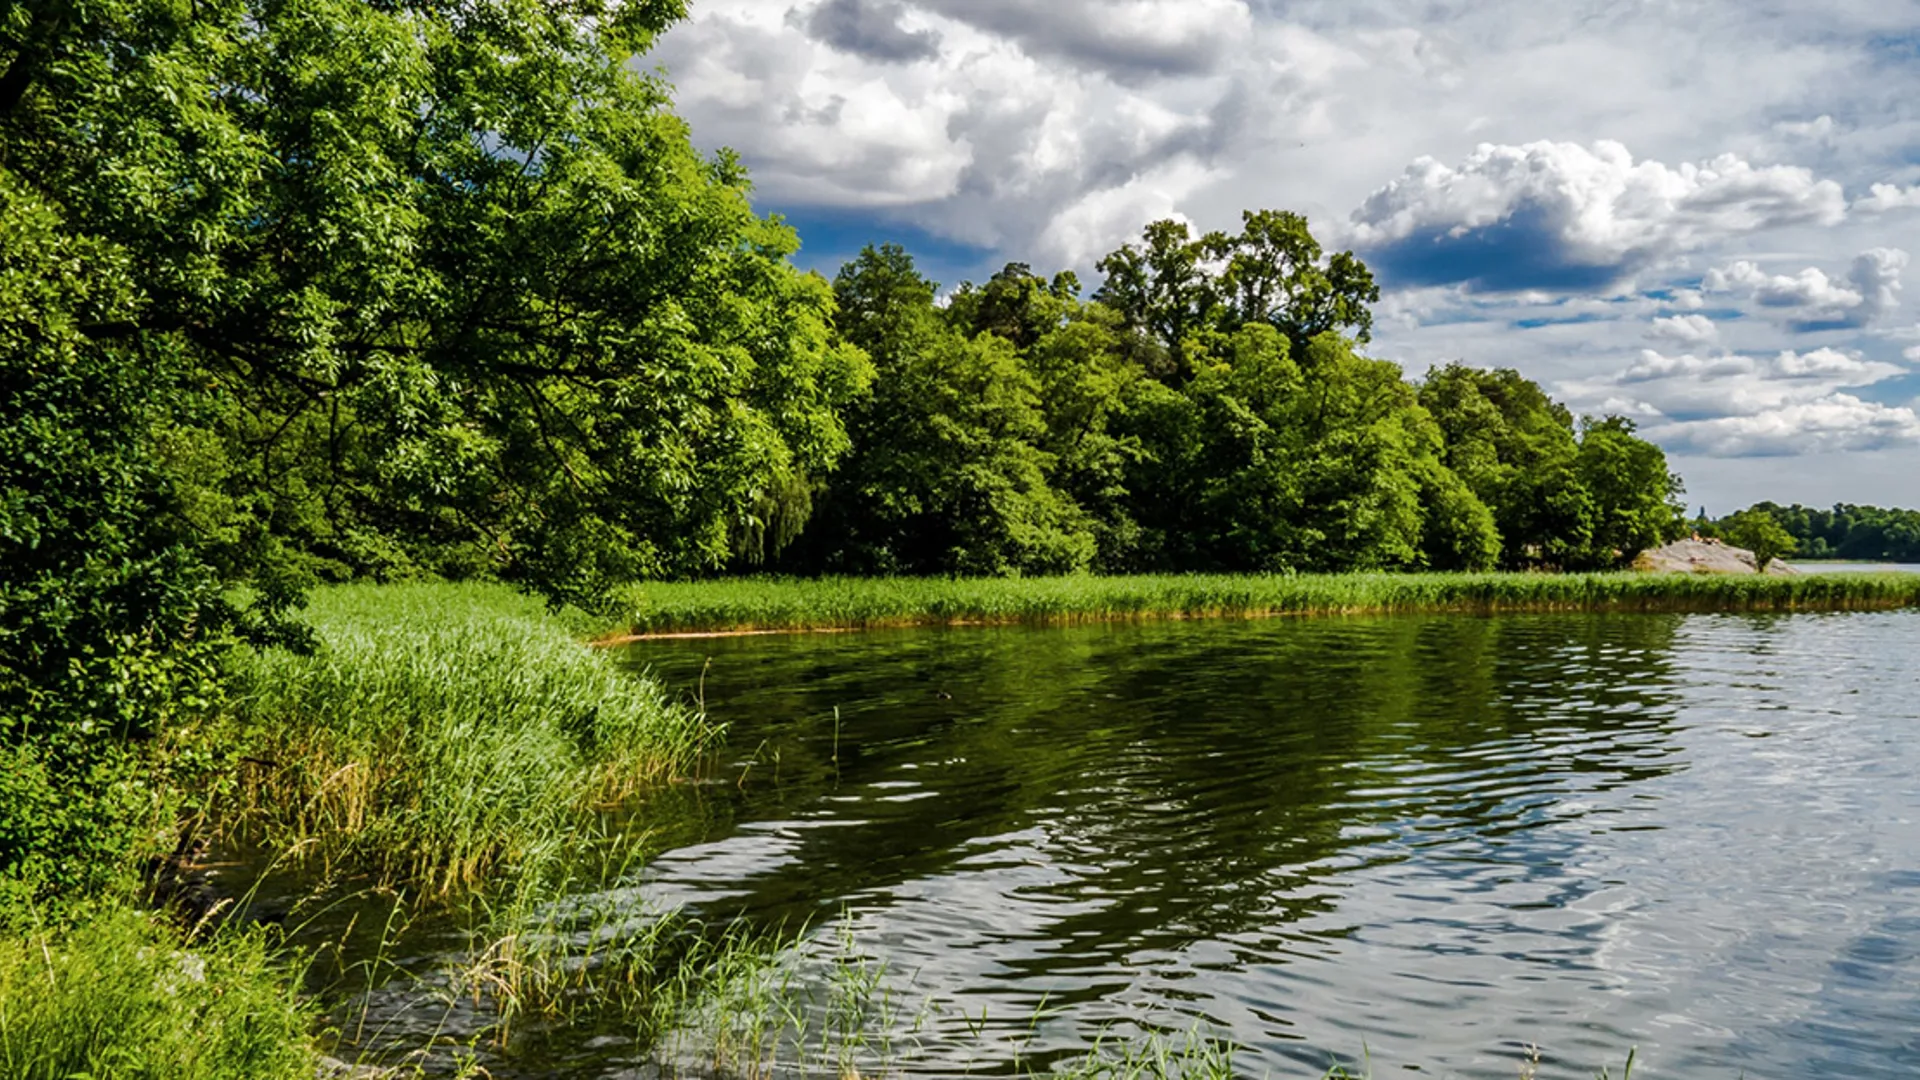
[[443, 732], [781, 604], [114, 993]]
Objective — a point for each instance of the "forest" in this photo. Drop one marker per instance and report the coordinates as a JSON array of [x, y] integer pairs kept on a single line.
[[1855, 533]]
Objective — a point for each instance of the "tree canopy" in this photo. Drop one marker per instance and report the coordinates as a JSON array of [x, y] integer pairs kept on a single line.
[[1208, 409], [308, 289]]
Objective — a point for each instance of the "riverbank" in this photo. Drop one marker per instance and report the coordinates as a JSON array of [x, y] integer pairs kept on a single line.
[[762, 605]]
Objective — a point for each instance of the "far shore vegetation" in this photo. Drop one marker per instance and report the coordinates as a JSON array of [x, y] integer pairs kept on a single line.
[[360, 362], [793, 604]]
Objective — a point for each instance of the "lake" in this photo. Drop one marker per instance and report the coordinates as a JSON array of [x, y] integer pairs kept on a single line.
[[1434, 840]]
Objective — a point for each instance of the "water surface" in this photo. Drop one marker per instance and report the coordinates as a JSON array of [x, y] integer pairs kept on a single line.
[[1440, 838]]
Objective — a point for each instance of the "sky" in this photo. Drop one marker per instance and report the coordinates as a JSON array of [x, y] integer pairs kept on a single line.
[[1695, 213]]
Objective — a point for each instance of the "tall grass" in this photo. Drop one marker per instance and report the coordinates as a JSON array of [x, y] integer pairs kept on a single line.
[[115, 994], [445, 733], [863, 603]]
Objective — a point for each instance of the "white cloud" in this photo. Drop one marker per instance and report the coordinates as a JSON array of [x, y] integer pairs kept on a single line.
[[1840, 422], [1690, 331], [1733, 405], [1562, 215], [1819, 129], [1815, 301], [1886, 198], [1094, 225]]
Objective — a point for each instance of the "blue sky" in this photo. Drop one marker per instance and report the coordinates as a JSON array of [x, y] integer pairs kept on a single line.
[[1697, 213]]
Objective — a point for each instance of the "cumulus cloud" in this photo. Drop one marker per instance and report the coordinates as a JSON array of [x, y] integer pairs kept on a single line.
[[1886, 198], [1690, 331], [1733, 405], [1555, 215], [870, 28], [1815, 301], [961, 119]]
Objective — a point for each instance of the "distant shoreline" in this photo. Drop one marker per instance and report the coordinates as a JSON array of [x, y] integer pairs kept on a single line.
[[764, 606]]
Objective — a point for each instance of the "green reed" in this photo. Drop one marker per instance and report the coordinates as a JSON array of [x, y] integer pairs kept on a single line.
[[444, 732], [116, 993], [866, 603]]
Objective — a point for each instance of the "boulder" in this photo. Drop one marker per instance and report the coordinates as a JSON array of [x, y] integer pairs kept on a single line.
[[1697, 557]]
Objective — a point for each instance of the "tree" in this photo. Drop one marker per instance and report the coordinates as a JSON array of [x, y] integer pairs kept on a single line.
[[451, 275], [1516, 449], [945, 475], [1757, 531], [1635, 498], [300, 287], [1176, 287], [1277, 273]]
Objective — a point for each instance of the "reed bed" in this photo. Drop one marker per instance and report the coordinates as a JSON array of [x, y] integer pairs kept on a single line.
[[443, 733], [784, 604]]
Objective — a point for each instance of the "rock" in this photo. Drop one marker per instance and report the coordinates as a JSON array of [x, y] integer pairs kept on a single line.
[[1697, 557], [1776, 568]]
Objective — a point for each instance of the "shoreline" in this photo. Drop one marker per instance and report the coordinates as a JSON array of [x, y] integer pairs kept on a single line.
[[763, 607]]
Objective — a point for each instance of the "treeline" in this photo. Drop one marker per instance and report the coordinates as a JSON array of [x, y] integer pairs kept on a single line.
[[1207, 409], [1864, 533]]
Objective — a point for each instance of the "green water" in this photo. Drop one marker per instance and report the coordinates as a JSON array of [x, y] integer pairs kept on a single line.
[[1439, 839]]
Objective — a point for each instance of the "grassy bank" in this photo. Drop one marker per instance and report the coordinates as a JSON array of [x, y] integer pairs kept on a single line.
[[861, 603], [114, 993], [441, 733]]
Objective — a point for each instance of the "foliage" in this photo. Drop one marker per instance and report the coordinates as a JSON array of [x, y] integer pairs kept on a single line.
[[476, 305], [115, 995], [1208, 411], [1585, 499], [321, 289], [1175, 286], [110, 631], [1866, 533], [1635, 499], [1759, 532], [944, 476]]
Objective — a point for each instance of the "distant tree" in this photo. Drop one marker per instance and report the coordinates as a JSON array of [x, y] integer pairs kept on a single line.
[[1175, 286], [1276, 273], [1759, 532]]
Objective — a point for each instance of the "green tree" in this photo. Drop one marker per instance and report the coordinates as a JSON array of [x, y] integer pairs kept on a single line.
[[299, 287], [1759, 532], [945, 475], [1516, 449], [1635, 498]]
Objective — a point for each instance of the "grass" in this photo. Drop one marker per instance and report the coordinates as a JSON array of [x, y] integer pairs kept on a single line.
[[778, 604], [115, 994], [443, 734]]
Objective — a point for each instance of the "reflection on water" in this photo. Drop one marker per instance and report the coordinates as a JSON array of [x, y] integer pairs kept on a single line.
[[1440, 838]]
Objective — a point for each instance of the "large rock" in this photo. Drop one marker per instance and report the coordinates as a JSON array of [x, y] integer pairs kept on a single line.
[[1704, 557]]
